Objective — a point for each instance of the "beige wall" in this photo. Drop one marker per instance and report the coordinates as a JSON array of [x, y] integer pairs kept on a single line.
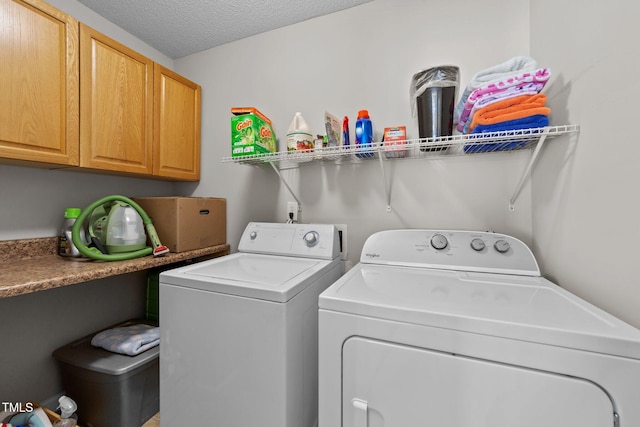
[[363, 57], [585, 199]]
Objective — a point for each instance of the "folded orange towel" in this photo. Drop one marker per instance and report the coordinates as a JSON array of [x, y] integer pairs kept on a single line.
[[511, 109]]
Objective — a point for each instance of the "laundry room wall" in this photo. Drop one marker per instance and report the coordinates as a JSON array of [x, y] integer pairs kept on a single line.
[[585, 198], [363, 58]]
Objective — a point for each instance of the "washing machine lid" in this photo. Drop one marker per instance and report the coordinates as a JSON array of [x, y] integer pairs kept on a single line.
[[267, 277], [526, 308]]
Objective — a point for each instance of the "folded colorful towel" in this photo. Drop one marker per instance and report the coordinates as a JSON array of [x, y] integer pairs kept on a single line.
[[531, 122], [540, 76], [131, 340], [506, 69], [511, 109], [489, 99]]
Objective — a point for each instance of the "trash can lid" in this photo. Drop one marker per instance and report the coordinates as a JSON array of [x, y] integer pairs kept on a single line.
[[82, 354], [441, 76]]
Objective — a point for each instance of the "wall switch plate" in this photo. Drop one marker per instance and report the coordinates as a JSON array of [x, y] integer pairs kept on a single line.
[[342, 233], [293, 211]]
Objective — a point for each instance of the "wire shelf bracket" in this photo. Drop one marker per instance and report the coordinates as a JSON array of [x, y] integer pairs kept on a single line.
[[387, 184], [527, 172], [284, 181]]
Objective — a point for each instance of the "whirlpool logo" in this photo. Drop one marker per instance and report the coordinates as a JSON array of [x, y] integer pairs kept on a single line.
[[370, 255]]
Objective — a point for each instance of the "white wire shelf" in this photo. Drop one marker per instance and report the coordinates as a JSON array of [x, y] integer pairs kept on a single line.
[[439, 147], [416, 148]]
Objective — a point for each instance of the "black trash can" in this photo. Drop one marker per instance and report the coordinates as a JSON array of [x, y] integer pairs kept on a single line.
[[111, 389], [433, 92]]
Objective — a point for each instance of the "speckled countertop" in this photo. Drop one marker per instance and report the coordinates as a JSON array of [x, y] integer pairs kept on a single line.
[[32, 265]]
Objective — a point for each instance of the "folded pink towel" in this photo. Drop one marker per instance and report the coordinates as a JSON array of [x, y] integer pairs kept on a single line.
[[492, 98], [512, 67], [539, 76]]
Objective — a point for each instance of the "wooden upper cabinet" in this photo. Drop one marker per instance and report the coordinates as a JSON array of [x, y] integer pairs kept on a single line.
[[116, 105], [71, 96], [38, 84], [176, 149]]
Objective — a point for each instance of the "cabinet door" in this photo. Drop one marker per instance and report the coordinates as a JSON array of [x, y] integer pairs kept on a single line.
[[176, 150], [38, 83], [116, 101]]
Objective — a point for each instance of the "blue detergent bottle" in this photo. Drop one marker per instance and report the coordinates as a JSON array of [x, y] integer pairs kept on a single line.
[[364, 135]]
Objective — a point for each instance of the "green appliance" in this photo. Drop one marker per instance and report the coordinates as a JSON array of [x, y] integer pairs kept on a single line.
[[116, 230]]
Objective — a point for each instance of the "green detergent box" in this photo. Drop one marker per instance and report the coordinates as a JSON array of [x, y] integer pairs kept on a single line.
[[251, 132]]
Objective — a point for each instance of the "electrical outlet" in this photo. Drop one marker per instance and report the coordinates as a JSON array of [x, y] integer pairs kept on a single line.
[[342, 233], [293, 211]]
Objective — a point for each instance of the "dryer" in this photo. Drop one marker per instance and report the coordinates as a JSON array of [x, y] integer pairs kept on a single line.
[[238, 334], [459, 329]]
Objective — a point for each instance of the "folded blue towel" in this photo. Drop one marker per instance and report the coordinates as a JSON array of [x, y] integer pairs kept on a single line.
[[131, 340], [531, 122]]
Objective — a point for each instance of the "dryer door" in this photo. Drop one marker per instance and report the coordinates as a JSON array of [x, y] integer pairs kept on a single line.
[[393, 385]]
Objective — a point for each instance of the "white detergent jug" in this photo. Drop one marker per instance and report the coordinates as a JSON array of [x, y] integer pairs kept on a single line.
[[299, 136]]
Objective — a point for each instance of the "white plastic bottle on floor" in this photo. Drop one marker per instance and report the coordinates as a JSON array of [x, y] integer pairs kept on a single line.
[[299, 135]]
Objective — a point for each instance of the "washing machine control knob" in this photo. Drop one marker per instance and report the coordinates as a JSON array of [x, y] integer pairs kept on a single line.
[[253, 235], [311, 238], [502, 246], [438, 241], [477, 244]]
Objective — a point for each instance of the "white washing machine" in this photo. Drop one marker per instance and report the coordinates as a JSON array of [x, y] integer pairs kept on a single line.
[[458, 329], [239, 334]]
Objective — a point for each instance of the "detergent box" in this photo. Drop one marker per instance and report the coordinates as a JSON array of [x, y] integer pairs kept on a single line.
[[251, 132], [395, 139]]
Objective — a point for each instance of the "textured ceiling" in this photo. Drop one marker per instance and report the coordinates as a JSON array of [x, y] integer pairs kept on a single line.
[[181, 27]]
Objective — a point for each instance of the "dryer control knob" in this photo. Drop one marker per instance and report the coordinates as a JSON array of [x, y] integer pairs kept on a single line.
[[502, 246], [253, 235], [439, 242], [477, 244], [311, 238]]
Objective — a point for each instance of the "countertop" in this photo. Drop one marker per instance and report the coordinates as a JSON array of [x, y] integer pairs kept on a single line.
[[32, 265]]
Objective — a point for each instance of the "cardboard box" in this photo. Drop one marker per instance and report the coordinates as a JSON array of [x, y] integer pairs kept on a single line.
[[395, 140], [251, 132], [187, 223]]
